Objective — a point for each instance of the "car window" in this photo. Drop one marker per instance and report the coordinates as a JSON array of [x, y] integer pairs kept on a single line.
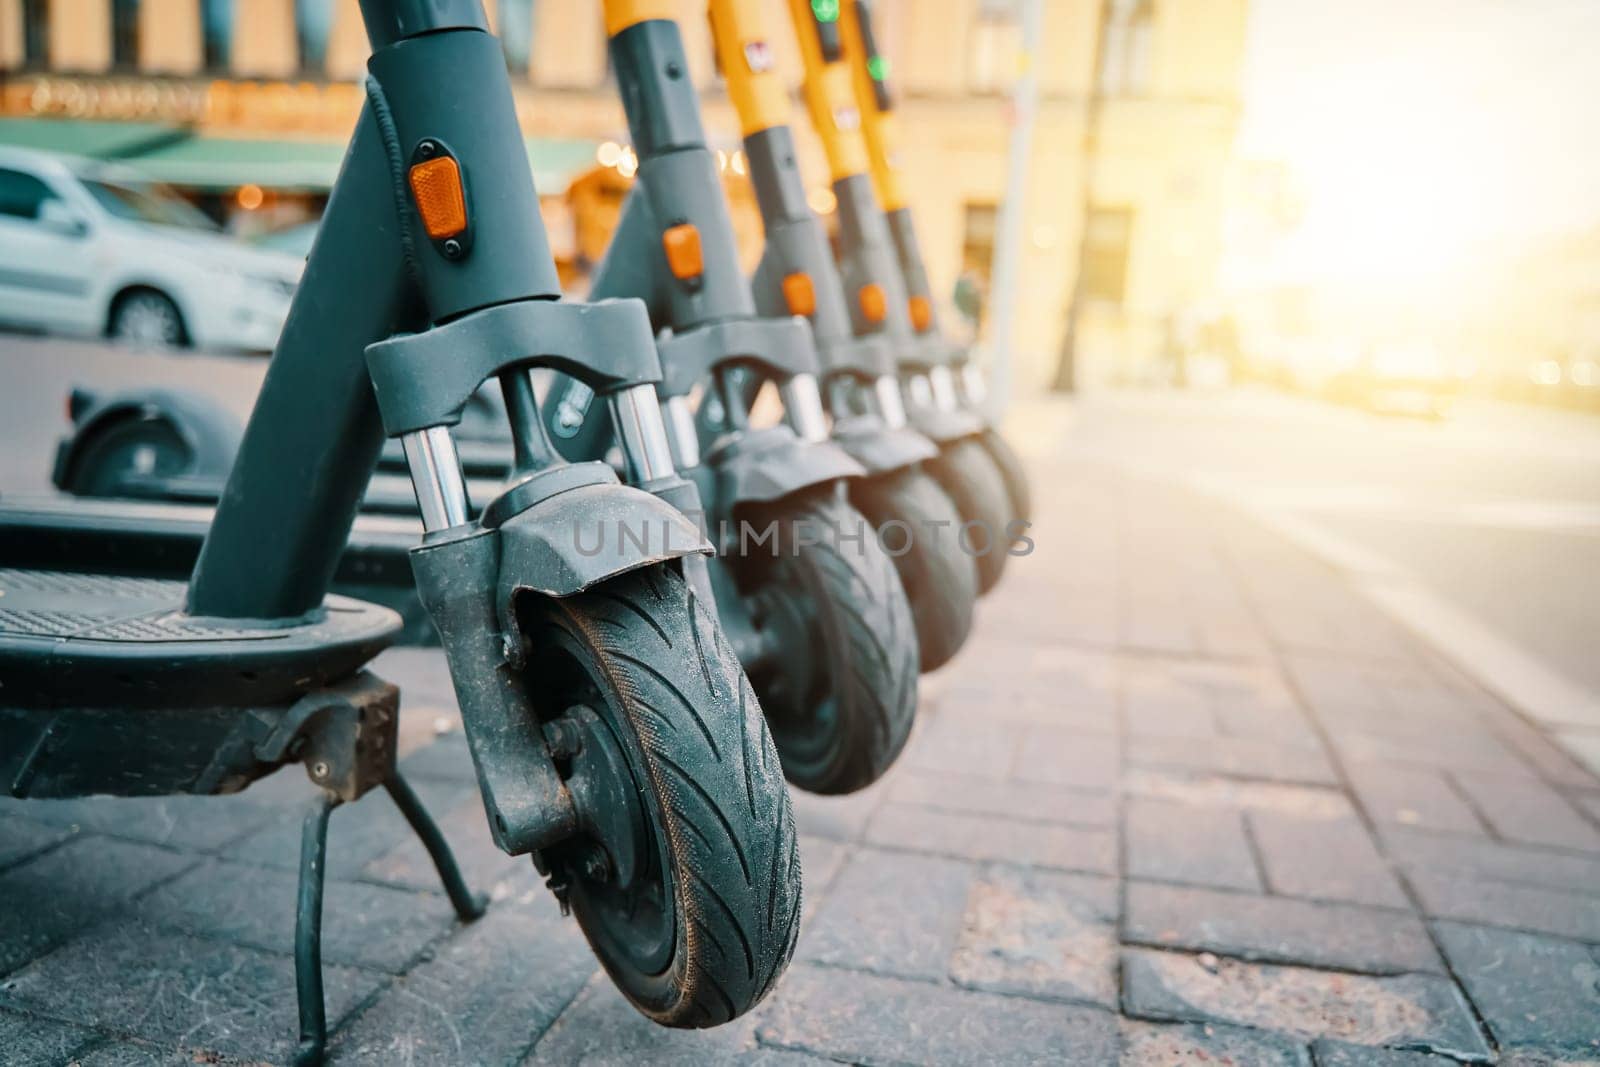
[[148, 203], [22, 194]]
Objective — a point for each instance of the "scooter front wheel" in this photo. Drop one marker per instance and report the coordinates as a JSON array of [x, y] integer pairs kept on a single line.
[[687, 879], [1011, 471], [917, 523], [838, 678], [965, 470]]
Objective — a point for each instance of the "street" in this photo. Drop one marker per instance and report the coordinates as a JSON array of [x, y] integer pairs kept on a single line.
[[1217, 778]]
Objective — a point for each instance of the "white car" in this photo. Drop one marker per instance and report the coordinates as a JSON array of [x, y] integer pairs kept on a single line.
[[91, 249]]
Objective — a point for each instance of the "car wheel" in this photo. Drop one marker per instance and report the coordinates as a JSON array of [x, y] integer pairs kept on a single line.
[[147, 319]]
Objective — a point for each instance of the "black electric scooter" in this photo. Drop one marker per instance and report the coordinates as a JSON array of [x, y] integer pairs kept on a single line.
[[960, 384], [614, 734], [881, 308], [808, 596], [797, 276]]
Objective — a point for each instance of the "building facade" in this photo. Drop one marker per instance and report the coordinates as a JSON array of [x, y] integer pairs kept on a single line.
[[1139, 100]]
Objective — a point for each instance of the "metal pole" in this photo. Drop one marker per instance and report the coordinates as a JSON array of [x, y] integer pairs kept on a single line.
[[1008, 248]]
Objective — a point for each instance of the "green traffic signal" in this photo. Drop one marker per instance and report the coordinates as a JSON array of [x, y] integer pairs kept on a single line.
[[878, 67], [825, 10]]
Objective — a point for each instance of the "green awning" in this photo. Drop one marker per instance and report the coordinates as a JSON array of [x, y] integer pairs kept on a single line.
[[311, 166], [84, 137]]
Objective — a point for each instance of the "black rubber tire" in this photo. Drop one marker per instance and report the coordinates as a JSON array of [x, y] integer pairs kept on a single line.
[[709, 781], [1012, 472], [150, 447], [964, 470], [940, 580], [841, 725], [146, 318]]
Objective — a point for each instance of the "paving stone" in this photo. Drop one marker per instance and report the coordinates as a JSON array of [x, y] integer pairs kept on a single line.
[[873, 921], [485, 996], [1174, 843], [1022, 801], [1300, 801], [1067, 758], [1462, 749], [357, 833], [195, 824], [1152, 1045], [1481, 858], [840, 818], [1277, 929], [868, 1019], [1411, 796], [1323, 859], [1521, 907], [50, 897], [1082, 709], [202, 995], [601, 1029], [1411, 1011], [1529, 811], [821, 861], [1235, 757], [485, 868], [31, 1039], [971, 748], [1538, 994], [363, 925], [120, 1053], [1342, 1054], [1040, 934], [446, 756], [22, 838], [1554, 763], [984, 837]]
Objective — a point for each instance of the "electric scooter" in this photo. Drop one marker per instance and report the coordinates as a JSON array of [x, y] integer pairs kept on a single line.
[[615, 738], [809, 597], [880, 306], [958, 379], [797, 276]]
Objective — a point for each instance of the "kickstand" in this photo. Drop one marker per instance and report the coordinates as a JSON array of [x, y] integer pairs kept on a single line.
[[468, 905], [308, 932], [308, 913]]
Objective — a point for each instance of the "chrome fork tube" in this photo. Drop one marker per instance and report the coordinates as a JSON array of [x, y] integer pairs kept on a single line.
[[943, 384], [802, 404], [681, 432], [891, 405], [436, 477], [640, 433]]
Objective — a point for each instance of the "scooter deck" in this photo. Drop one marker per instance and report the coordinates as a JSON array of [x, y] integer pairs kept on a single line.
[[72, 640]]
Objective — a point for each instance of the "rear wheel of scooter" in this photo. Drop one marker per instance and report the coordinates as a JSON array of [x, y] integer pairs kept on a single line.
[[965, 471], [692, 902], [940, 580], [839, 681], [1011, 470]]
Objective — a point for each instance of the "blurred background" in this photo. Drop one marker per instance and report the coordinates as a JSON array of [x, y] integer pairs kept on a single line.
[[1337, 262]]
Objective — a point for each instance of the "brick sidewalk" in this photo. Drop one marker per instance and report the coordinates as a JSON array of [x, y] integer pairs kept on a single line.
[[1184, 798]]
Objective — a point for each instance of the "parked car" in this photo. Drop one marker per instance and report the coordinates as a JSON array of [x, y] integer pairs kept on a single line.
[[92, 249]]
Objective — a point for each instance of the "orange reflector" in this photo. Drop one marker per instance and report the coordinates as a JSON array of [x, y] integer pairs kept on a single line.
[[874, 305], [799, 294], [921, 313], [436, 184], [682, 245]]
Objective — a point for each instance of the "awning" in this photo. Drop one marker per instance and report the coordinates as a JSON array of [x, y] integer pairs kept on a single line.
[[84, 137], [311, 166]]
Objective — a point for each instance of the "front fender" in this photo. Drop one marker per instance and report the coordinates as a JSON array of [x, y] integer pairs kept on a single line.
[[210, 432], [760, 466], [575, 539], [879, 448], [945, 426]]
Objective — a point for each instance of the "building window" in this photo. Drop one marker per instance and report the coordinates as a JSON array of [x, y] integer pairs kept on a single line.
[[516, 34], [216, 33], [996, 46], [125, 34], [313, 23], [1125, 47], [35, 33], [1107, 234]]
